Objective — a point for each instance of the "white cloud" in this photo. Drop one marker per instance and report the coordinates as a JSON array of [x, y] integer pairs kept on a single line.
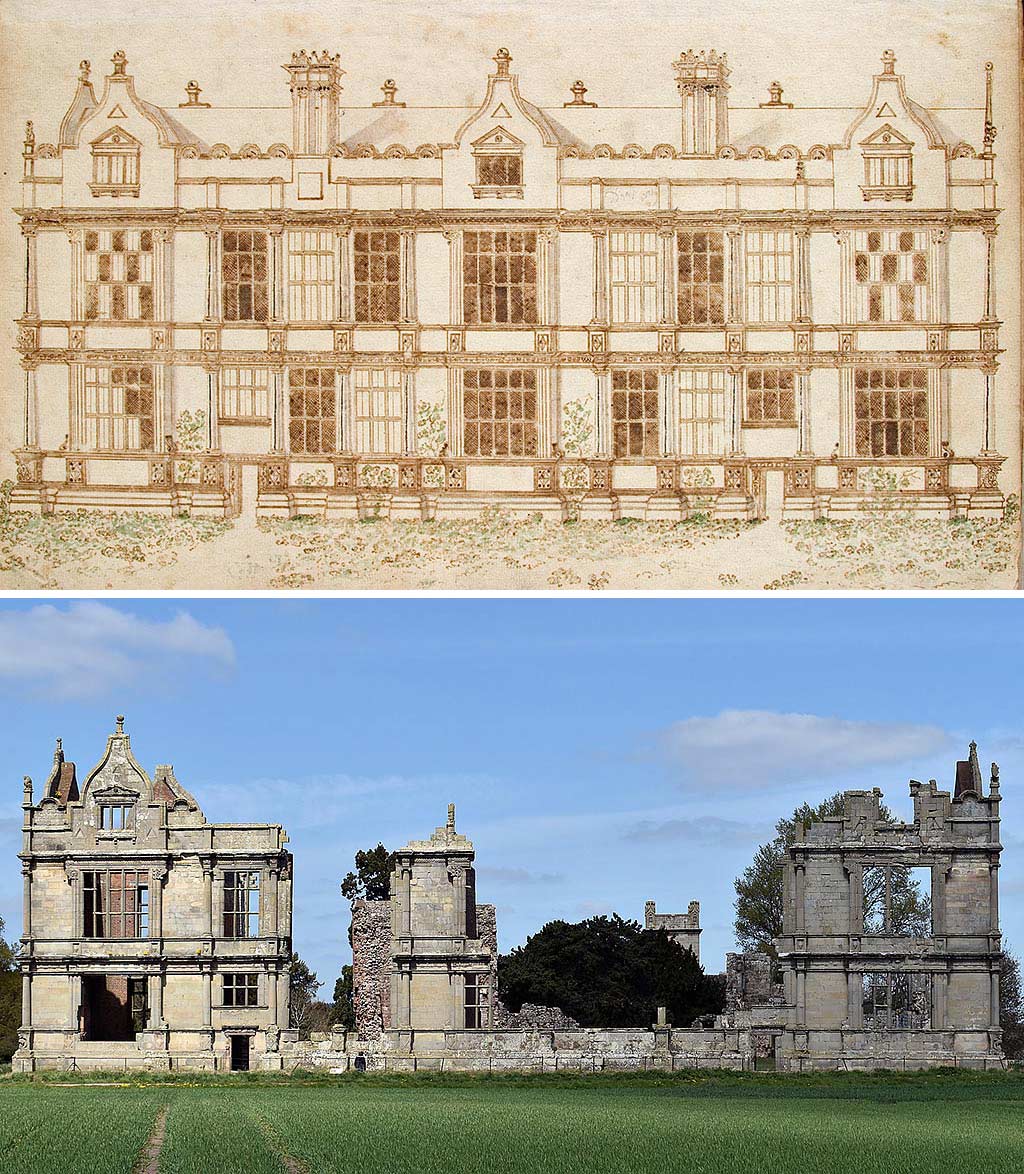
[[705, 829], [748, 748], [518, 876], [88, 649]]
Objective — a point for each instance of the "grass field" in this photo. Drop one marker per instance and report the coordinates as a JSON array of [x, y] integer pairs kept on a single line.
[[690, 1124]]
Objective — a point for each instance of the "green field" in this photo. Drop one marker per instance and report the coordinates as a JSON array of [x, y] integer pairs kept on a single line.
[[423, 1125]]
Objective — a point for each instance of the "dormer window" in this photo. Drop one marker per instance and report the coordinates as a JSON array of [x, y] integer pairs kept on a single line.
[[499, 166], [115, 164], [115, 817], [888, 166]]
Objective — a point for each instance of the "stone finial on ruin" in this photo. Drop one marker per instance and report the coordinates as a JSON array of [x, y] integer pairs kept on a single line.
[[119, 724], [993, 782], [26, 787], [502, 59], [450, 826]]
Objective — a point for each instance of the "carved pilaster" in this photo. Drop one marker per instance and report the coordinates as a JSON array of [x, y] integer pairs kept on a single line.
[[667, 276], [734, 272], [213, 310], [407, 298], [30, 307], [600, 278], [802, 263], [455, 302]]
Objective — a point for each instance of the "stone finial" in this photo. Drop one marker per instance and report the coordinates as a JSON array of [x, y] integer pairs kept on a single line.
[[502, 59], [989, 135], [30, 138], [120, 62], [451, 817], [192, 92], [888, 62], [26, 786], [775, 98], [84, 69], [119, 720], [579, 92], [389, 89], [993, 781]]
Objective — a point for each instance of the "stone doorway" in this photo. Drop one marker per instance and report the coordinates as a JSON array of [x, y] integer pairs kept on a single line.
[[239, 1053]]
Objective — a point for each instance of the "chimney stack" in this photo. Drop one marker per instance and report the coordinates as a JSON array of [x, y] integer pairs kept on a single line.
[[315, 84], [701, 79]]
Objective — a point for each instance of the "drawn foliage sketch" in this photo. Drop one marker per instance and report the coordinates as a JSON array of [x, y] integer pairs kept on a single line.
[[519, 315]]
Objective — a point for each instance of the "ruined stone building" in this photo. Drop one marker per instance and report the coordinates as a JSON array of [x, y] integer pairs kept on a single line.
[[151, 938], [682, 928], [308, 307]]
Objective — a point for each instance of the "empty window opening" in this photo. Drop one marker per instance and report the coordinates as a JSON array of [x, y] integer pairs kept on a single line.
[[114, 1007], [115, 904], [241, 990], [897, 900], [241, 904], [897, 1001], [477, 1000], [115, 817]]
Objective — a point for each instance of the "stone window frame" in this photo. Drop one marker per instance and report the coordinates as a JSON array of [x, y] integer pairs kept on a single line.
[[769, 275], [701, 282], [99, 917], [631, 410], [491, 383], [690, 425], [238, 384], [245, 275], [238, 917], [377, 276], [249, 987], [769, 397], [876, 252], [476, 1001], [116, 164], [109, 255], [313, 384], [106, 386], [312, 275], [881, 414], [634, 276], [500, 285], [124, 822], [379, 384], [888, 992], [884, 906]]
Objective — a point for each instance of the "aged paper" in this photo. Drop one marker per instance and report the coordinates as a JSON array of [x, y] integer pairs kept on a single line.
[[628, 296]]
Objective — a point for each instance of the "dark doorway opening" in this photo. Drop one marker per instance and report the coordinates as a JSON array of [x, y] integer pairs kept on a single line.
[[239, 1053], [114, 1006]]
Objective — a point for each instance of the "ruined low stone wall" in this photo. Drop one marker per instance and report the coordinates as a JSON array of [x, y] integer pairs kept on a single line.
[[532, 1017]]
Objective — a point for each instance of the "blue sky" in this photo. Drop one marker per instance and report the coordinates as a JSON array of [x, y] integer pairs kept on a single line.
[[601, 752]]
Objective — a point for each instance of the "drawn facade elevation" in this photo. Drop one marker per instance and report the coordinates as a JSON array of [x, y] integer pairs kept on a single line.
[[151, 938], [572, 310]]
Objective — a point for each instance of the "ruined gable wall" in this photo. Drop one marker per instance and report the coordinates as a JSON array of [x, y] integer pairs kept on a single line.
[[371, 967]]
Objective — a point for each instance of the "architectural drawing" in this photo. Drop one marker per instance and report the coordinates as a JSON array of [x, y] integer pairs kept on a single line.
[[578, 311], [151, 938]]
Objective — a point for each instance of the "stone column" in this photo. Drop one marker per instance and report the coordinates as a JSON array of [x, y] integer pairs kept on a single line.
[[847, 296], [26, 901], [547, 251], [156, 1000], [31, 304], [162, 266], [272, 996], [993, 897], [734, 275], [279, 429], [458, 875], [409, 445], [847, 418], [988, 446], [31, 421], [405, 998], [26, 998], [209, 914], [938, 898], [458, 1000], [455, 304], [801, 997], [343, 281], [283, 1000], [802, 264], [803, 412], [994, 998], [270, 913], [207, 996], [77, 238], [799, 898], [157, 876], [854, 996], [74, 1000], [666, 276], [603, 414], [212, 274], [600, 275], [938, 273], [77, 912], [734, 412], [936, 423], [990, 275], [669, 414], [407, 289], [406, 911], [275, 276]]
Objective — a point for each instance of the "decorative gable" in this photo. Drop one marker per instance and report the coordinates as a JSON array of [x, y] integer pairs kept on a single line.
[[888, 165], [115, 163]]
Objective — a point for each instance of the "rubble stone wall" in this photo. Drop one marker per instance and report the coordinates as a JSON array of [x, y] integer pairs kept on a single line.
[[371, 967]]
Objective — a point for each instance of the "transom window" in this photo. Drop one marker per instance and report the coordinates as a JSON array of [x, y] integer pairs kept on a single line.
[[769, 267], [701, 263], [771, 396], [119, 275], [115, 164], [900, 1001], [241, 904], [379, 415], [701, 412], [241, 990], [310, 276], [891, 410], [633, 265], [118, 408], [244, 276], [891, 274], [635, 413], [500, 412], [116, 817], [115, 904], [377, 269], [244, 394], [499, 271], [477, 1000], [312, 401]]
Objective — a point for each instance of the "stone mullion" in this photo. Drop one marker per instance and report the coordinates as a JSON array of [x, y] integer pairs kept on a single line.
[[456, 417], [600, 278]]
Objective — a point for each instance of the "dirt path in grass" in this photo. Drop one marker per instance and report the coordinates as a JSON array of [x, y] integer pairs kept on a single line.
[[276, 1146], [149, 1159]]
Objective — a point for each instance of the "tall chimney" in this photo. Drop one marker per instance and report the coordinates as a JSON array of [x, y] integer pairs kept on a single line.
[[315, 84], [701, 78]]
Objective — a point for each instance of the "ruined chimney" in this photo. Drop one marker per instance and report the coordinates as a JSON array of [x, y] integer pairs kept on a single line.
[[315, 84], [701, 80]]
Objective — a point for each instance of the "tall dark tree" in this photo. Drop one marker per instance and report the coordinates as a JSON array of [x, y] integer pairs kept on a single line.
[[608, 972], [344, 1009], [10, 999], [758, 903], [372, 877], [1011, 1005]]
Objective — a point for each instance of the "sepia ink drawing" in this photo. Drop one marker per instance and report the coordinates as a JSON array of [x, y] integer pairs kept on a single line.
[[310, 314]]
